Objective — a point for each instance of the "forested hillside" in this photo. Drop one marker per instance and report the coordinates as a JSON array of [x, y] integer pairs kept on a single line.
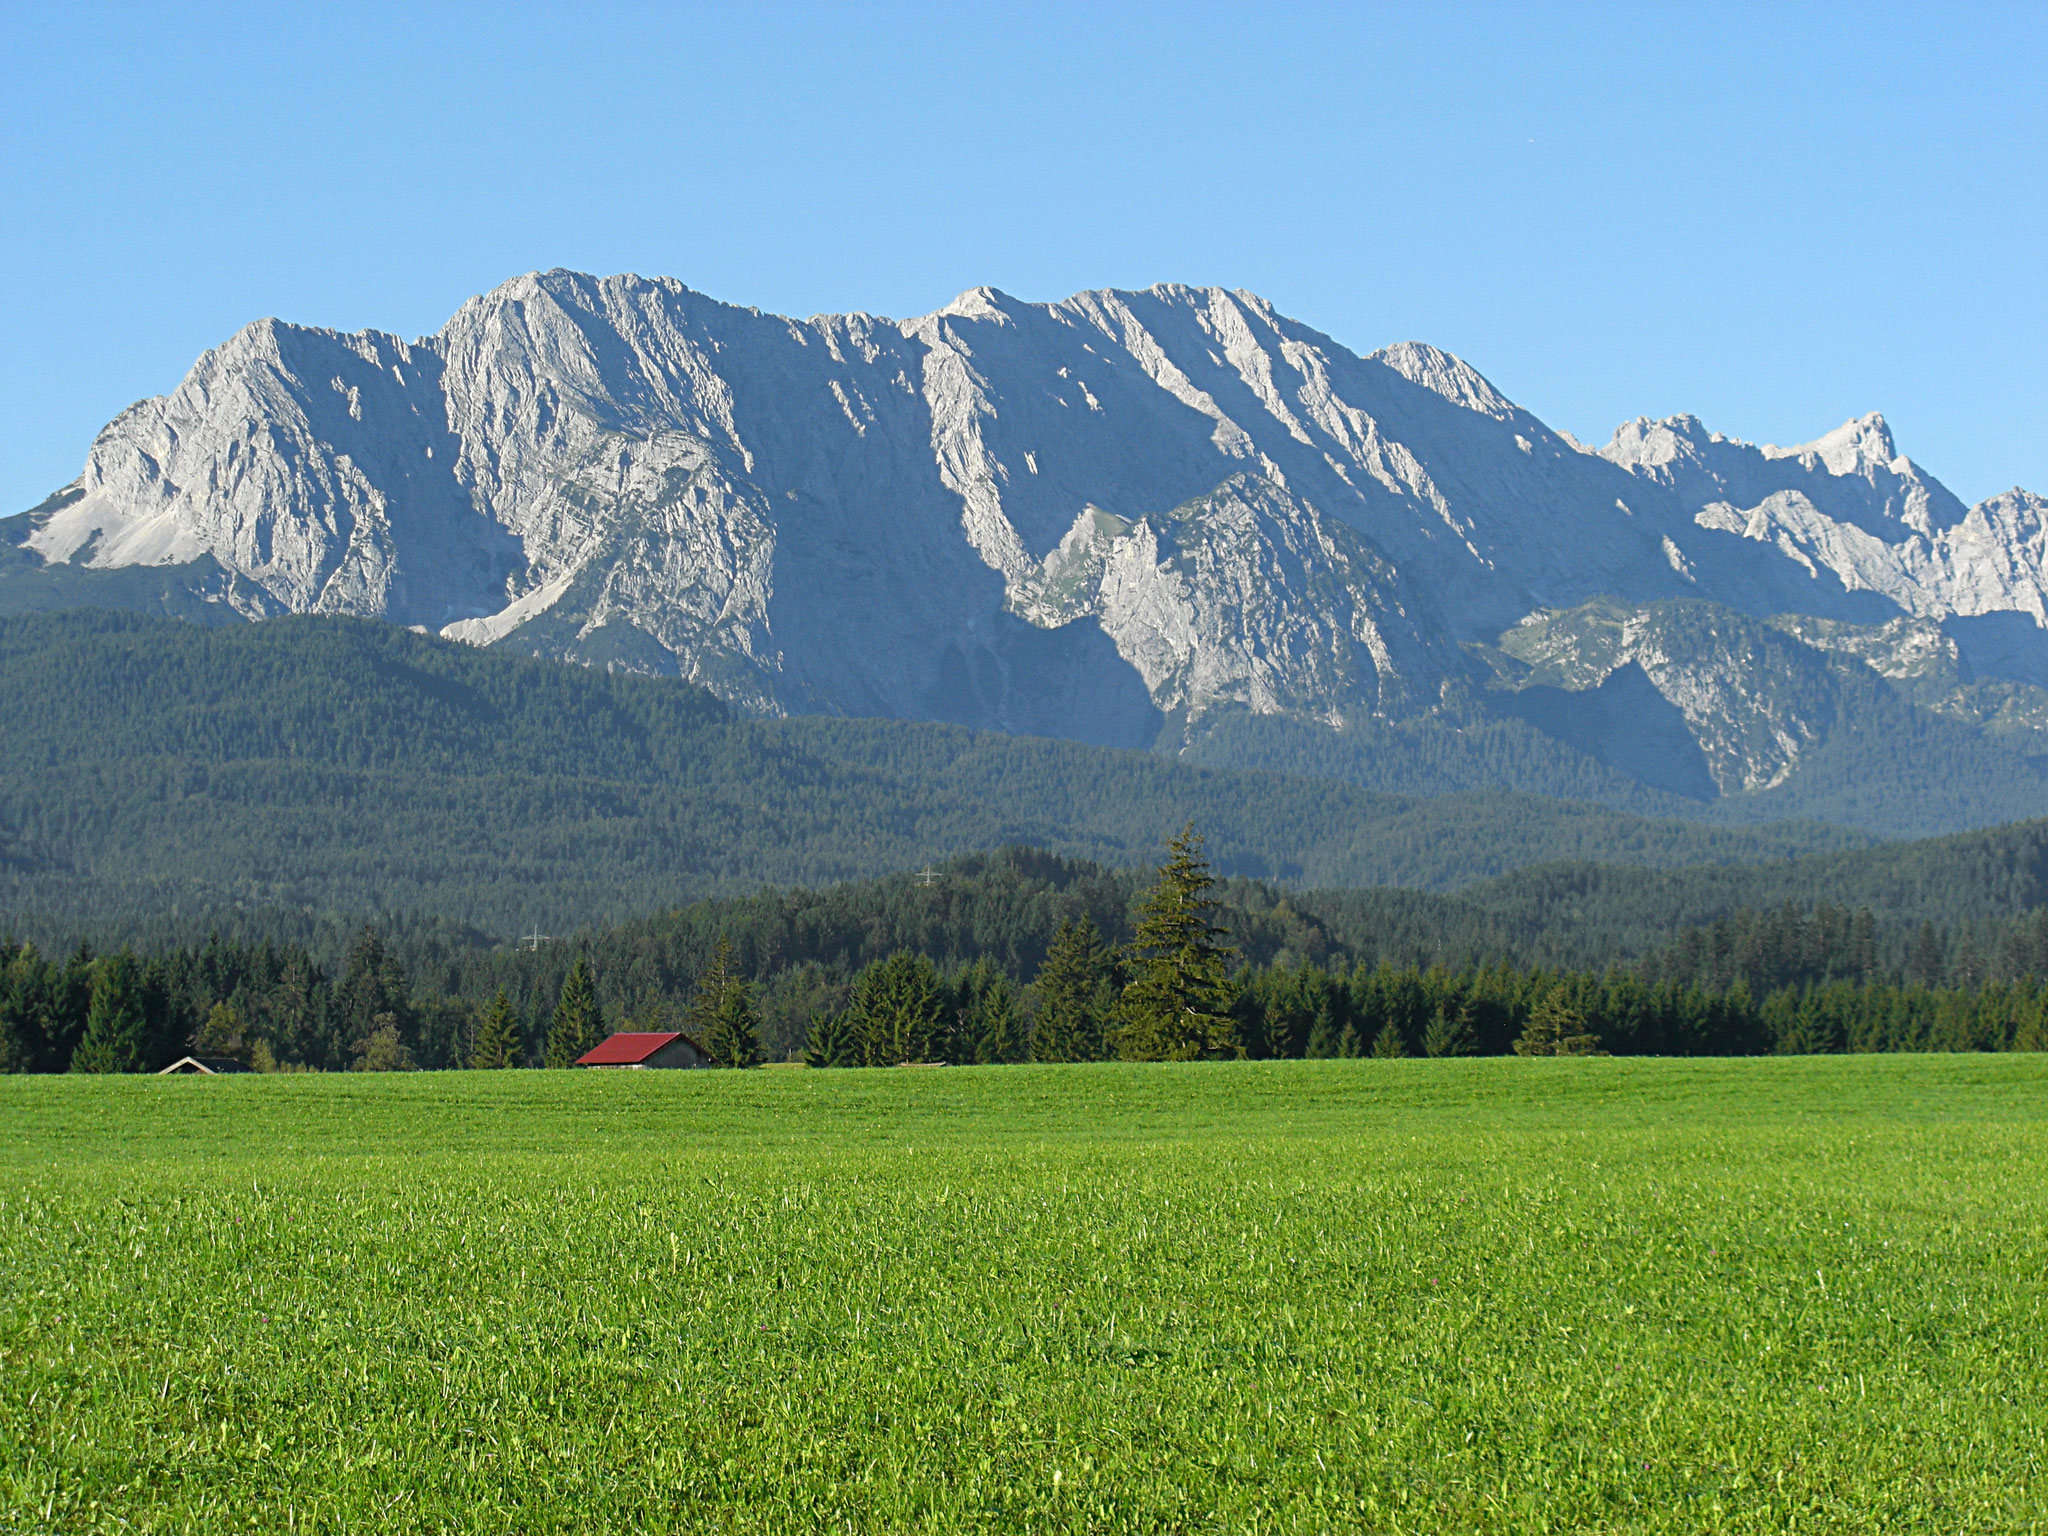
[[1948, 881], [155, 772]]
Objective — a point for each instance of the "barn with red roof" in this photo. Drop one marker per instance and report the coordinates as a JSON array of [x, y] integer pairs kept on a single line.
[[645, 1048]]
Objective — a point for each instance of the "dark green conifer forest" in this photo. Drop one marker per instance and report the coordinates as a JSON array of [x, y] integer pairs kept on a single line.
[[323, 845], [1022, 955]]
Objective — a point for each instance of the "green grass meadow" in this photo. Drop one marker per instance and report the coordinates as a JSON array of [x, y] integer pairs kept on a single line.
[[1498, 1295]]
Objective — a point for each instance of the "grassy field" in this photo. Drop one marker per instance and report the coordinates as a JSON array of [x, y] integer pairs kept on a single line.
[[1801, 1294]]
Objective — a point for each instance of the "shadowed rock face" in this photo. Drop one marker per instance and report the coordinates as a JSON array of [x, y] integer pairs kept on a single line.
[[1094, 518]]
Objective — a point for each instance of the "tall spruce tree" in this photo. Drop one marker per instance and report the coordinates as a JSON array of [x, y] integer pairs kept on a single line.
[[1452, 1031], [1325, 1040], [898, 1005], [574, 1028], [1076, 989], [711, 985], [1176, 1006], [998, 1036], [736, 1030], [497, 1036], [723, 1022], [834, 1042], [114, 1024]]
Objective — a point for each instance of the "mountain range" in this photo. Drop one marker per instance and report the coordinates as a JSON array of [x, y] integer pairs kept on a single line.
[[1172, 519]]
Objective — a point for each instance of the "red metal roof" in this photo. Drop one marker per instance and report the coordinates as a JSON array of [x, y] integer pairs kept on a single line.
[[623, 1050]]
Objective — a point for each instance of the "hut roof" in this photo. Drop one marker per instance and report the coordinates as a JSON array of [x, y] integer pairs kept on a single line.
[[628, 1048]]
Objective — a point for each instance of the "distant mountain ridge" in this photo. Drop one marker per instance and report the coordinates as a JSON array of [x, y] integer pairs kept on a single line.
[[1129, 518]]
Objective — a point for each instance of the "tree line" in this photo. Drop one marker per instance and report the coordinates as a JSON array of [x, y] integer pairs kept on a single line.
[[1171, 983]]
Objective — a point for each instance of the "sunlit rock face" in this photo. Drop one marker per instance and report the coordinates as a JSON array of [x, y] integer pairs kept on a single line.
[[1103, 518]]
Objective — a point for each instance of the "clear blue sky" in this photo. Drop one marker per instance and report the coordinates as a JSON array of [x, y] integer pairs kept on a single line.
[[1773, 217]]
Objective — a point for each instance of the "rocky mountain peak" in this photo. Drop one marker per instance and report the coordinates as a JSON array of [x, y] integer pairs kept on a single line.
[[980, 303], [1857, 447], [1648, 446], [1444, 374]]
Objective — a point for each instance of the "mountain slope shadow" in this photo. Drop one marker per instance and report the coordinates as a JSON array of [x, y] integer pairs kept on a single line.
[[1070, 682], [1625, 723], [2010, 646]]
